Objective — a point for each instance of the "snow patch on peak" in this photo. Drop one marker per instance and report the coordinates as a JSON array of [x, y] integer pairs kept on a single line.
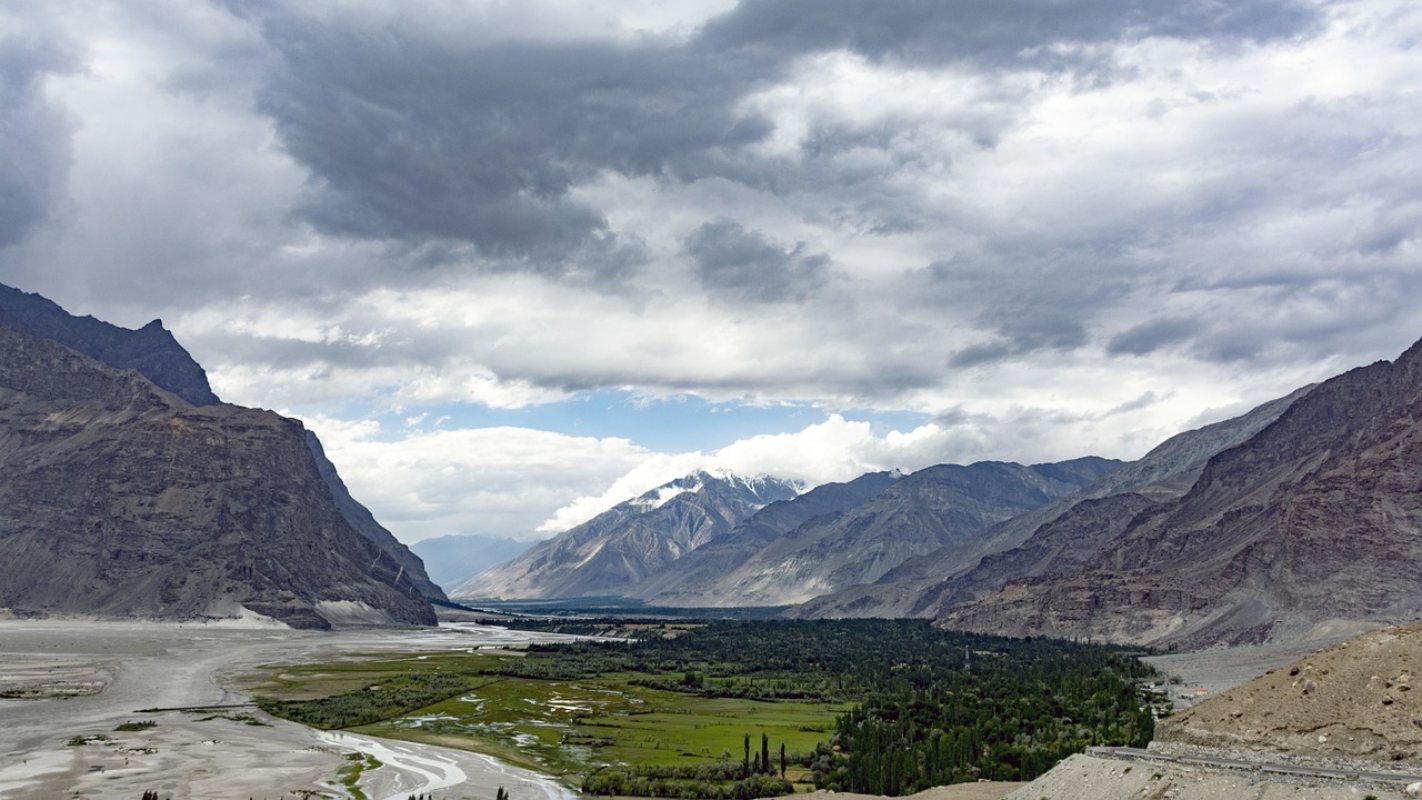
[[757, 485], [662, 495]]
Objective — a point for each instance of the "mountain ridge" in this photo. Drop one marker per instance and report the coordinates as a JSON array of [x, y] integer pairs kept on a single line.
[[1312, 525]]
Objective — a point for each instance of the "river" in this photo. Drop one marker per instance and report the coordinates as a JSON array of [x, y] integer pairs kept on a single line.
[[160, 665]]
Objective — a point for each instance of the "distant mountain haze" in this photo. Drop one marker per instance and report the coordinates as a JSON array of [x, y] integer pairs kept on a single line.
[[450, 560]]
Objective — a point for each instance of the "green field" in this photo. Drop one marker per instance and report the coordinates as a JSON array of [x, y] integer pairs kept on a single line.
[[565, 728], [717, 711]]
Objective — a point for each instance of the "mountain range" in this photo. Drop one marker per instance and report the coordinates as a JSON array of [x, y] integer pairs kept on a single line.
[[130, 490], [724, 540], [1299, 519], [631, 541]]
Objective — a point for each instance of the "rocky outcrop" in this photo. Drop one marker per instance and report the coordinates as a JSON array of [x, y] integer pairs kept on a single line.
[[121, 499], [634, 540], [1357, 700], [1016, 547], [1313, 523]]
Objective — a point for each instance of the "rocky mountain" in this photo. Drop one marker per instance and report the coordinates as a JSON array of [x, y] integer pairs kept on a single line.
[[1049, 538], [944, 506], [1310, 527], [632, 541], [119, 498], [151, 350], [155, 354], [696, 579], [450, 560]]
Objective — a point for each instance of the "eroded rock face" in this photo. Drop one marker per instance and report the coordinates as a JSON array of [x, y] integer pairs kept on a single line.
[[118, 498], [1311, 526]]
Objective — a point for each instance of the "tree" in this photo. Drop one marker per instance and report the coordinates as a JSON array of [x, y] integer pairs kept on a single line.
[[782, 759], [765, 753]]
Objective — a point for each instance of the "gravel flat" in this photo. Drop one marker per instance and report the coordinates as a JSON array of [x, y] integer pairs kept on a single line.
[[164, 665]]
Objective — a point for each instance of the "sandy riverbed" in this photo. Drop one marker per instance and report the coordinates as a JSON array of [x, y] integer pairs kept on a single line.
[[156, 665]]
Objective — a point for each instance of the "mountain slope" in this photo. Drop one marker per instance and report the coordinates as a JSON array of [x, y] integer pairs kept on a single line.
[[1314, 524], [941, 506], [697, 576], [923, 587], [154, 353], [365, 524], [121, 499], [631, 541]]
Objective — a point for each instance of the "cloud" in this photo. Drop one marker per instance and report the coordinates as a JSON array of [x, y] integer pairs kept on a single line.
[[1147, 337], [745, 265], [37, 132], [1011, 217], [494, 481]]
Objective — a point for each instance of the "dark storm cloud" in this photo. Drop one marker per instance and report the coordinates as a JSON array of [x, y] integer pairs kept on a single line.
[[747, 266], [413, 138], [409, 135], [1003, 33], [1149, 336], [34, 135]]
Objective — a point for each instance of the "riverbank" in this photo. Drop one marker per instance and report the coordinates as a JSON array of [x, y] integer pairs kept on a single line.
[[67, 746]]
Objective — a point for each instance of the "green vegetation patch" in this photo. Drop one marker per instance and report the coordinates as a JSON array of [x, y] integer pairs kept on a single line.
[[392, 697], [142, 725], [875, 706]]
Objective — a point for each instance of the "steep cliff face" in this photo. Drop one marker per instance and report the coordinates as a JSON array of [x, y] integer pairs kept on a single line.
[[1313, 524], [1027, 545], [155, 354], [364, 522], [120, 499]]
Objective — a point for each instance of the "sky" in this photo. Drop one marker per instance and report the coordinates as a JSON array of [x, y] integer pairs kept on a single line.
[[515, 261]]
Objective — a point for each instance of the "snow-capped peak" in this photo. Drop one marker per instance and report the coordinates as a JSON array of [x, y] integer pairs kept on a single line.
[[697, 481]]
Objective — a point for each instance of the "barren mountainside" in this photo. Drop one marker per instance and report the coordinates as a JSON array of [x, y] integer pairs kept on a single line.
[[947, 505], [1359, 699], [120, 499], [155, 354], [1312, 525], [1030, 543]]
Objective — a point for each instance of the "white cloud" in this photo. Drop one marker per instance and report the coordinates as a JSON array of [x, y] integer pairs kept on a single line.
[[496, 481]]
